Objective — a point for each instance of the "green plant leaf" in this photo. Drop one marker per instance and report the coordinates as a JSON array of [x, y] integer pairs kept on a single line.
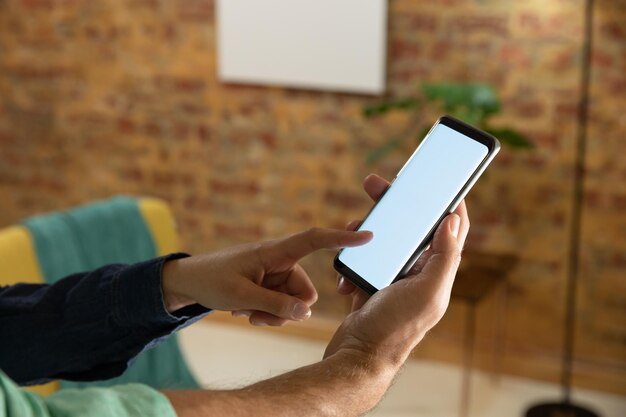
[[511, 137], [378, 153], [384, 107], [470, 102], [484, 97], [473, 103]]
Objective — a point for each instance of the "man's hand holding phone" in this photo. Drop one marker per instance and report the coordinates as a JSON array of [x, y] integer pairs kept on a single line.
[[369, 347], [388, 325]]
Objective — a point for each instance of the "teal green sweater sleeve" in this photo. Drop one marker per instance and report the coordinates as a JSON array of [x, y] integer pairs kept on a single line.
[[120, 401]]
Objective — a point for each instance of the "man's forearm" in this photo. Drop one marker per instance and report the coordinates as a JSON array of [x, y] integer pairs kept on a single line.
[[344, 384]]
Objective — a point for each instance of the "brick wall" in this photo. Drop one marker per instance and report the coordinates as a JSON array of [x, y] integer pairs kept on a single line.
[[105, 97]]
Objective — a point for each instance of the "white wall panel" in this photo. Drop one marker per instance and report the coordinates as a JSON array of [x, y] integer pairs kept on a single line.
[[315, 44]]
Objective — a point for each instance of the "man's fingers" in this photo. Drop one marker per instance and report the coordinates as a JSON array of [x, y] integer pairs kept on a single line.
[[344, 286], [276, 303], [300, 285], [375, 186], [260, 318], [421, 261], [353, 225], [303, 243], [444, 260], [241, 313], [359, 298], [461, 211]]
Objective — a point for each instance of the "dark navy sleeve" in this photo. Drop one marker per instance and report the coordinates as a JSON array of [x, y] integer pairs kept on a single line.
[[87, 326]]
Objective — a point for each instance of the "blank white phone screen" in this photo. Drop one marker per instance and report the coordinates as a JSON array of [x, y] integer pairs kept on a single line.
[[423, 190]]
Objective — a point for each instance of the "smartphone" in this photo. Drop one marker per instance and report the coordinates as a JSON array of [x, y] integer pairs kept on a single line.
[[431, 184]]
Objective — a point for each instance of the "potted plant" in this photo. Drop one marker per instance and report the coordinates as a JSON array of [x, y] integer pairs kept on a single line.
[[473, 103]]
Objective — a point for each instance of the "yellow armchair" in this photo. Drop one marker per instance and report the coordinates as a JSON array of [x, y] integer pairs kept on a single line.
[[19, 264]]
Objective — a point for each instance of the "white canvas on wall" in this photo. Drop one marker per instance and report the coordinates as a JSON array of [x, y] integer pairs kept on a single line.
[[337, 45]]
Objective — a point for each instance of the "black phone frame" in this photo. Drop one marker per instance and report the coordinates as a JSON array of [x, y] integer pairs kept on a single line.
[[493, 146]]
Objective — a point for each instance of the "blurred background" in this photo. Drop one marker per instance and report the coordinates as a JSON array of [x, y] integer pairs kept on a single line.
[[100, 98]]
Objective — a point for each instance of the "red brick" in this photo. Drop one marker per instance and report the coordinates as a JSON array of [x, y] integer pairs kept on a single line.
[[43, 72], [618, 85], [38, 4], [602, 59], [526, 109], [164, 178], [512, 54], [306, 217], [6, 137], [95, 121], [543, 140], [251, 107], [504, 159], [536, 162], [446, 4], [476, 237], [494, 24], [132, 174], [268, 139], [190, 223], [230, 186], [125, 125], [187, 179], [404, 49], [558, 218], [195, 10], [617, 260], [618, 202], [180, 130], [203, 133], [237, 231], [488, 218], [169, 32], [440, 50], [530, 21], [594, 199], [153, 5], [198, 204], [567, 109], [164, 156], [153, 129], [345, 199], [565, 25], [41, 181], [192, 108], [548, 192], [564, 61], [614, 30], [92, 32], [180, 84], [339, 149], [556, 25], [415, 22]]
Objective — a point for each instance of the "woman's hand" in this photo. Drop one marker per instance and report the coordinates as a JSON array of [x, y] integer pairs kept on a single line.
[[260, 280]]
